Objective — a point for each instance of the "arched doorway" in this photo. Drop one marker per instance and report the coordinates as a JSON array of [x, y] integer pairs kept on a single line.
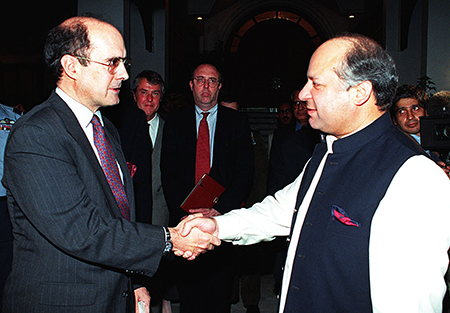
[[269, 55]]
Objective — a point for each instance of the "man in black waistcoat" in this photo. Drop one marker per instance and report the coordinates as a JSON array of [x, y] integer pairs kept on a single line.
[[359, 240]]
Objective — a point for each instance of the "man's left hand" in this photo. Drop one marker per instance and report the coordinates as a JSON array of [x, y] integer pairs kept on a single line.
[[141, 294], [206, 212]]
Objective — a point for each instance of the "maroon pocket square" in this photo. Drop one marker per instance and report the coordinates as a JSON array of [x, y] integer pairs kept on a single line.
[[132, 168], [339, 214]]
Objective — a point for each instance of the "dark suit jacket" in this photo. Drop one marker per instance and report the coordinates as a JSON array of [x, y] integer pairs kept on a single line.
[[289, 156], [232, 159], [72, 249], [131, 123], [160, 214]]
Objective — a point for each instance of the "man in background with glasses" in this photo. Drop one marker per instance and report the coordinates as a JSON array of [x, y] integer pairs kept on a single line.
[[69, 190], [206, 138]]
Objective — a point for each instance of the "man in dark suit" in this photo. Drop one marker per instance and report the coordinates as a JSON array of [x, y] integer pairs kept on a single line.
[[131, 123], [74, 249], [148, 88], [231, 164], [290, 154]]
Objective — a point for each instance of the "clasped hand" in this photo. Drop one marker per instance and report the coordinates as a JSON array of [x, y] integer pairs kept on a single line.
[[192, 236]]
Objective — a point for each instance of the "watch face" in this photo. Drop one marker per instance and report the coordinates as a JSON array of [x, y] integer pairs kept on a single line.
[[168, 246]]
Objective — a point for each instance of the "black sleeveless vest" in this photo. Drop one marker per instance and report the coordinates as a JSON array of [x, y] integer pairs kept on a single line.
[[331, 265]]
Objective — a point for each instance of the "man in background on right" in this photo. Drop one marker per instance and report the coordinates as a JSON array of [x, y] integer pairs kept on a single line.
[[409, 105]]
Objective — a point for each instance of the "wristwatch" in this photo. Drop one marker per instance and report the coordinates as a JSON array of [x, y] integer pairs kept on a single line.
[[168, 244]]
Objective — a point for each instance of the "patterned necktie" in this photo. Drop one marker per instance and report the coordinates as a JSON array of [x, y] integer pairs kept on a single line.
[[202, 162], [109, 166]]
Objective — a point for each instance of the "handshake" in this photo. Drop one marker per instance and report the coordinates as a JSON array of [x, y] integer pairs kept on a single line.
[[194, 235]]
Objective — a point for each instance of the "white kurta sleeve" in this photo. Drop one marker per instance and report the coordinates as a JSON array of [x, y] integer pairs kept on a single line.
[[410, 236], [263, 221]]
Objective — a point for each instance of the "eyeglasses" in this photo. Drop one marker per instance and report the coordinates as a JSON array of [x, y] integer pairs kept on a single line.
[[200, 81], [299, 105], [112, 65]]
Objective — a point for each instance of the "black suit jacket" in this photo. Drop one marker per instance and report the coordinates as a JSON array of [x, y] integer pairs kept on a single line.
[[72, 249], [232, 159], [289, 156], [131, 123]]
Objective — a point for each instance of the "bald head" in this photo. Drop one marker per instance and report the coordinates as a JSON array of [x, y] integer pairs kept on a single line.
[[75, 36], [351, 83], [88, 57]]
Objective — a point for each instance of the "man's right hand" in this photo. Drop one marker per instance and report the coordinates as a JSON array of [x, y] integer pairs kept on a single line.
[[195, 238], [207, 225]]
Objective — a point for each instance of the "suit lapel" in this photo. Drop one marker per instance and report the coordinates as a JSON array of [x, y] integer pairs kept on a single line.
[[74, 129], [219, 137], [157, 148]]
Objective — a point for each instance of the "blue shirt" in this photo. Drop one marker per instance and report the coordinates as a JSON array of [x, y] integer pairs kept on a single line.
[[7, 119]]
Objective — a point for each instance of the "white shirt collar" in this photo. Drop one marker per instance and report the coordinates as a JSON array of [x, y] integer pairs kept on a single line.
[[82, 113], [211, 111]]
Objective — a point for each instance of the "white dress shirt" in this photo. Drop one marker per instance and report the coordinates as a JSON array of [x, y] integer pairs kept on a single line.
[[153, 129], [84, 117]]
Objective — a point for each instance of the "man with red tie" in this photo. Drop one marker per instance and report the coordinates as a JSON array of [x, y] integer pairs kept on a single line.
[[206, 138]]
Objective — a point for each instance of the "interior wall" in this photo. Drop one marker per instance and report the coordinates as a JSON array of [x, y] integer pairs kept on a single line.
[[437, 46], [135, 36], [439, 43], [409, 60], [142, 58]]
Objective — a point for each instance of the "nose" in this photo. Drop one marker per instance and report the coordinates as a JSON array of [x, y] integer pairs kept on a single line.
[[150, 97], [122, 73], [409, 114], [305, 93]]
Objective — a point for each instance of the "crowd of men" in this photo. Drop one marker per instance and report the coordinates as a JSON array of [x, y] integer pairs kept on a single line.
[[96, 213]]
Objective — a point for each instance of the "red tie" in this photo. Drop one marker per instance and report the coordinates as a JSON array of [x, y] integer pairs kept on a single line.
[[202, 162], [109, 166]]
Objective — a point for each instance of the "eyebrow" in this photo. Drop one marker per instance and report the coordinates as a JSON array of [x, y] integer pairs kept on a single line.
[[412, 105]]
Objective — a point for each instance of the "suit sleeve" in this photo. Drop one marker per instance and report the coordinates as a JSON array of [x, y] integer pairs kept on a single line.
[[56, 193]]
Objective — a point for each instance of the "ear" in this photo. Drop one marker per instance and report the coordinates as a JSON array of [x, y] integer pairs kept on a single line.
[[69, 64], [363, 92], [191, 85]]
